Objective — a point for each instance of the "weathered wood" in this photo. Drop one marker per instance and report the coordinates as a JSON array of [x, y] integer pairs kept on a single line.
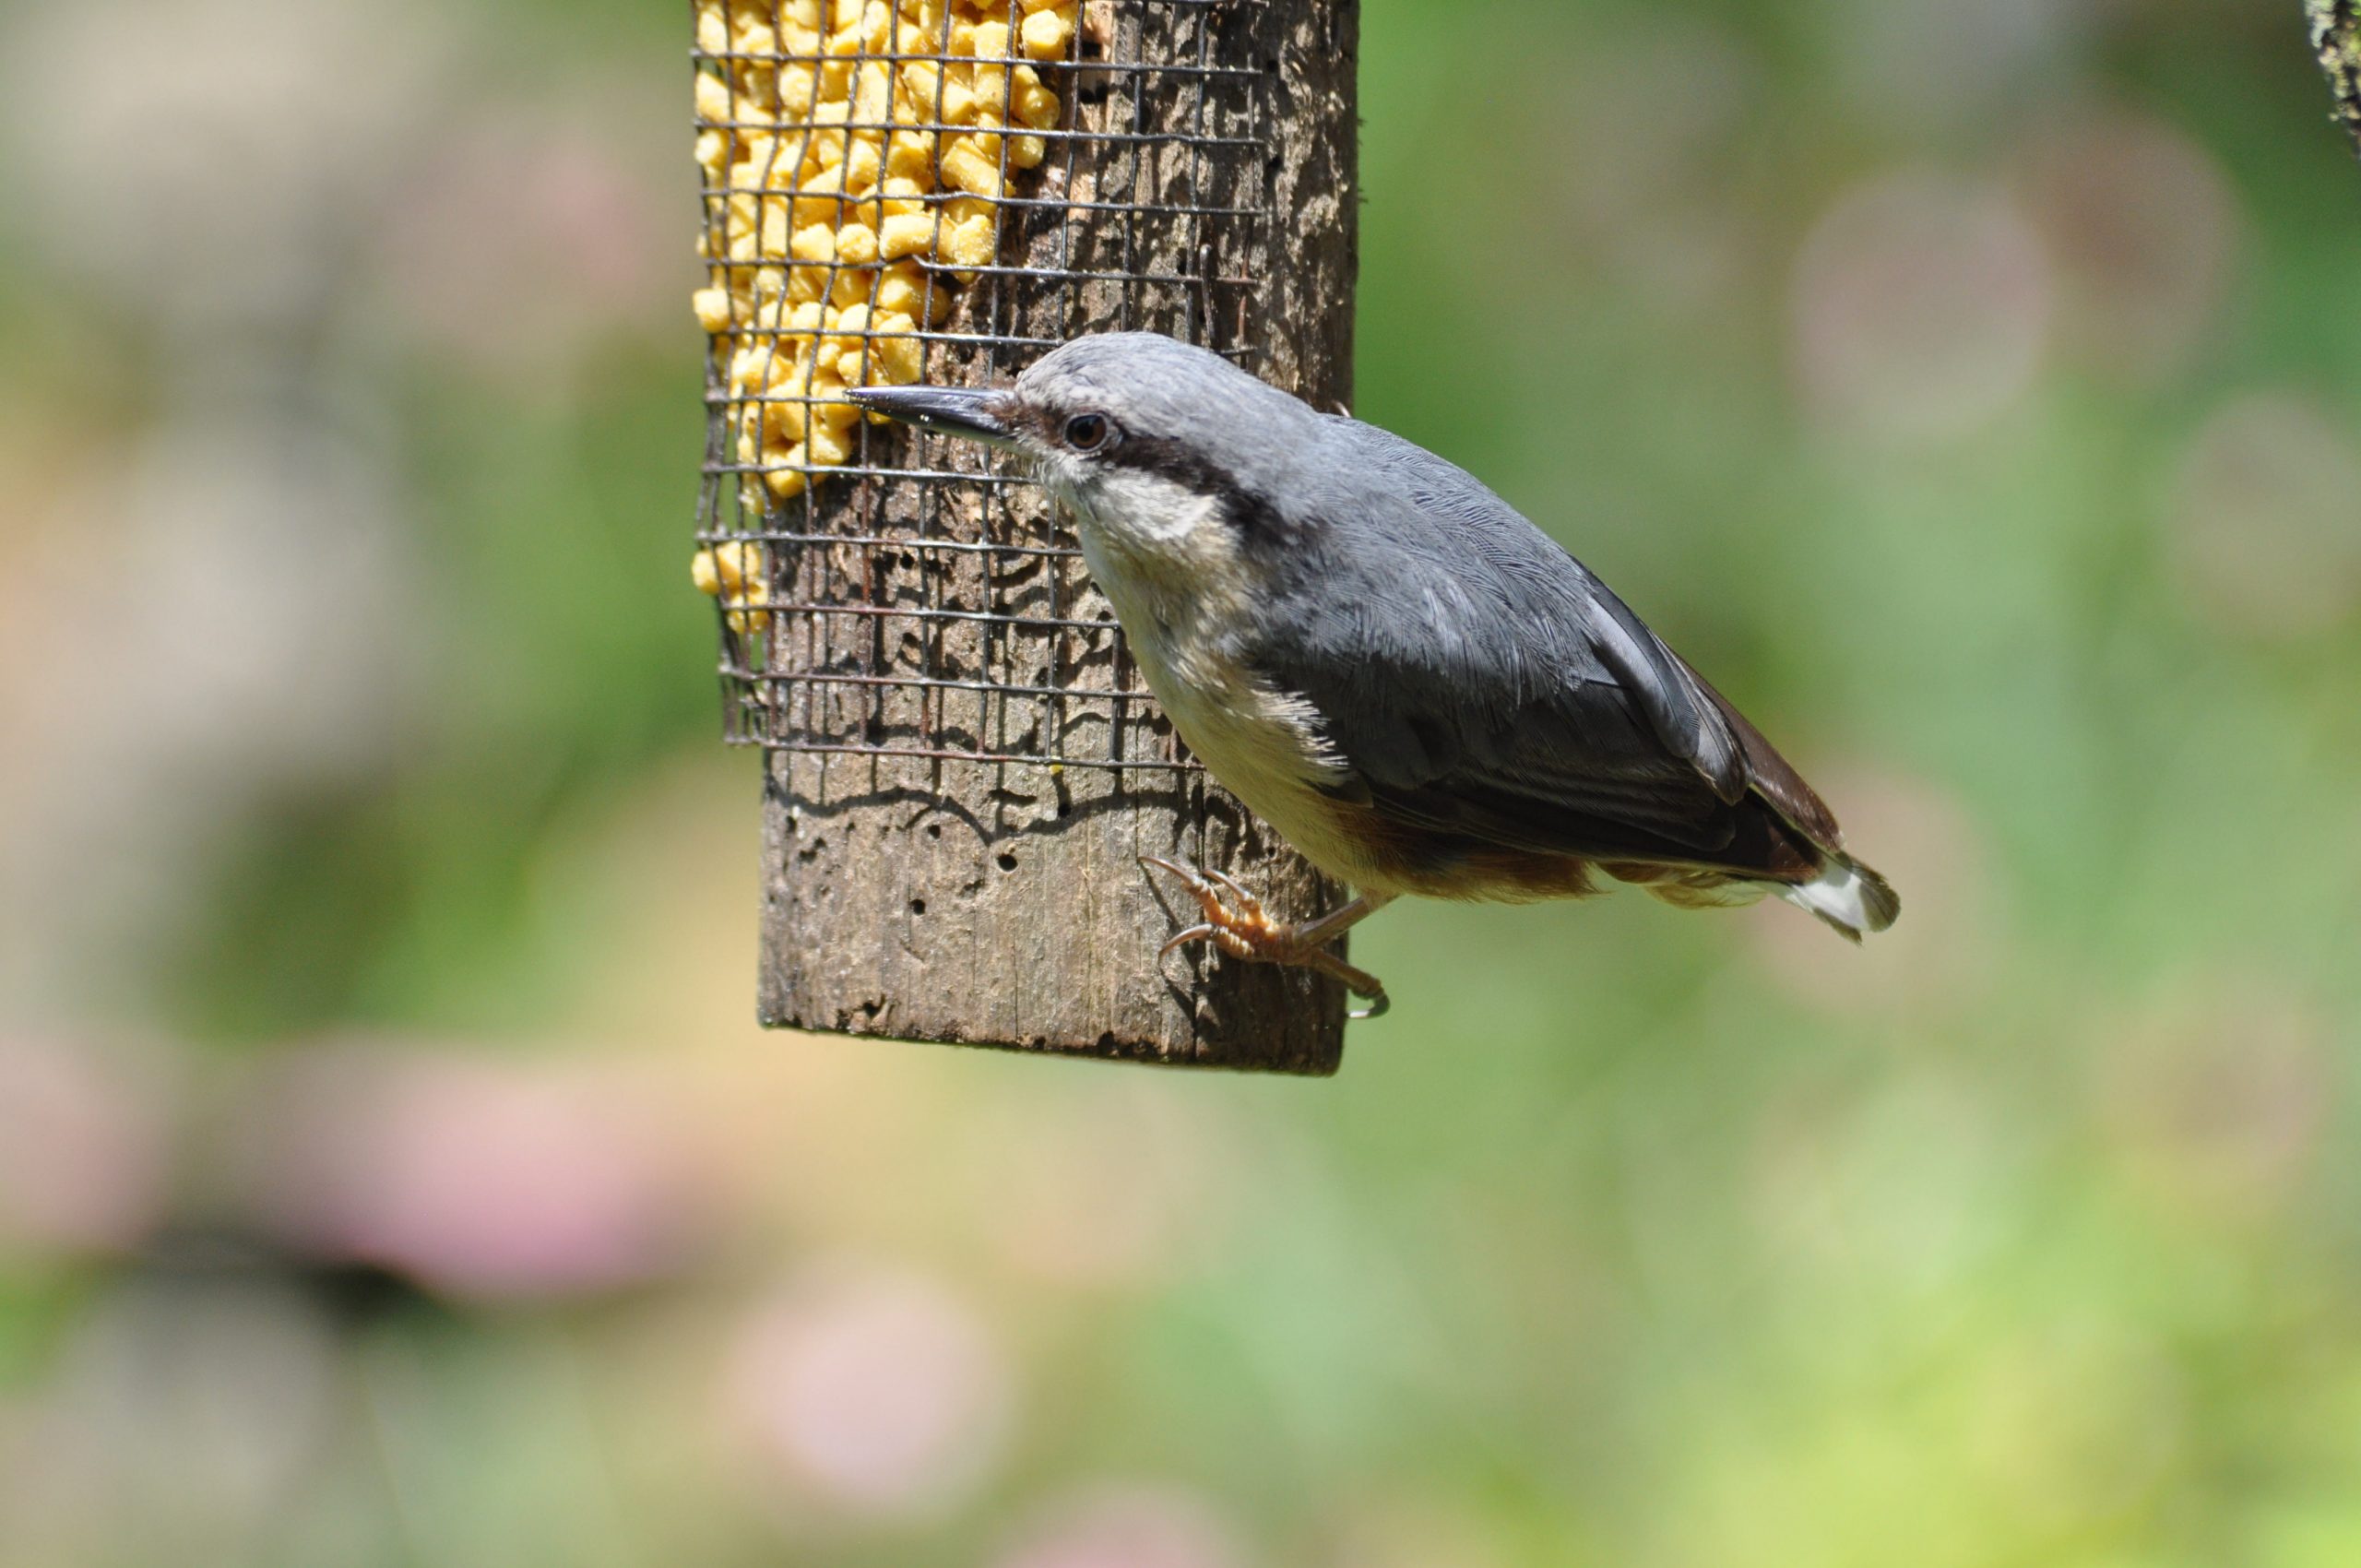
[[1003, 903], [2336, 37]]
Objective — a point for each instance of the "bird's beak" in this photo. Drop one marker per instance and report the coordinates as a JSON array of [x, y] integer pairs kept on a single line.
[[976, 413]]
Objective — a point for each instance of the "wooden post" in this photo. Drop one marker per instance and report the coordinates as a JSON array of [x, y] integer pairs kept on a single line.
[[1002, 903]]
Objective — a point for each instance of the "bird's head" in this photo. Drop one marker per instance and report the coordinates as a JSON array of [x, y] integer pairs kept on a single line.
[[1153, 444]]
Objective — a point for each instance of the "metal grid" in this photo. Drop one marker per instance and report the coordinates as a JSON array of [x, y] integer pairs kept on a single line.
[[922, 600]]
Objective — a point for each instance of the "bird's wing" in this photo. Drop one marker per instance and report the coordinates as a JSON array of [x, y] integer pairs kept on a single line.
[[1474, 677]]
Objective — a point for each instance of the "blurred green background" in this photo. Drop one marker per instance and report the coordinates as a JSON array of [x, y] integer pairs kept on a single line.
[[390, 1174]]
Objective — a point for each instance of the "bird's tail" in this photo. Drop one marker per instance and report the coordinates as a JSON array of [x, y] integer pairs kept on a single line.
[[1848, 895]]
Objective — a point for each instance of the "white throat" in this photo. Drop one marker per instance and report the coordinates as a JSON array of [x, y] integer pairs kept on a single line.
[[1170, 562]]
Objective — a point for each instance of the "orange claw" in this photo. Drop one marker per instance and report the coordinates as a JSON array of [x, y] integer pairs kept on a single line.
[[1241, 928]]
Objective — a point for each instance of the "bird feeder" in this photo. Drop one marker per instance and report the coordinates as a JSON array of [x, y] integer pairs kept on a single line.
[[962, 765]]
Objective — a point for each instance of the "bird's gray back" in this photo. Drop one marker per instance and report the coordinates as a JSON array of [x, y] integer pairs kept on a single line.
[[1470, 671], [1443, 629]]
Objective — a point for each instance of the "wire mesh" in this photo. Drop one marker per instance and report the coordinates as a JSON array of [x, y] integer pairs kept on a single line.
[[918, 599]]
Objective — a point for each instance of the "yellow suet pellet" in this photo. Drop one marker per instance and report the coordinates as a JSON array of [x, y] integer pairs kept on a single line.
[[712, 151], [900, 291], [1048, 33], [785, 484], [863, 167], [778, 223], [829, 410], [738, 574], [909, 157], [713, 98], [922, 79], [908, 233], [873, 93], [971, 244], [798, 87], [845, 327], [957, 103], [828, 445], [966, 167], [896, 354], [1035, 104], [827, 170], [817, 242], [783, 420]]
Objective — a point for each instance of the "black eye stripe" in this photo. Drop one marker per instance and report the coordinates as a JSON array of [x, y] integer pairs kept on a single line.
[[1244, 508]]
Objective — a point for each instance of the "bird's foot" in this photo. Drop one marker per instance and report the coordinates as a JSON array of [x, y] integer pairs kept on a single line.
[[1239, 926]]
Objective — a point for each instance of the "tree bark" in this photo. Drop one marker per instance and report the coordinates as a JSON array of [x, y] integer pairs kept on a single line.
[[1003, 903], [2336, 36]]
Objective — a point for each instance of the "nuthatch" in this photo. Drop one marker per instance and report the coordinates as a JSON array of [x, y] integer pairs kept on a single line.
[[1415, 686]]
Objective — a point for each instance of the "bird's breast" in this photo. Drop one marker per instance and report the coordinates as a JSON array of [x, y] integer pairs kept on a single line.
[[1186, 598], [1265, 747]]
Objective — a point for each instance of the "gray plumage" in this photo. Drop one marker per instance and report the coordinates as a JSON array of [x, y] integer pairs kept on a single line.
[[1471, 685]]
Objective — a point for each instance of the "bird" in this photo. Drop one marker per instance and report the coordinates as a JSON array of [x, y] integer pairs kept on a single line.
[[1408, 679]]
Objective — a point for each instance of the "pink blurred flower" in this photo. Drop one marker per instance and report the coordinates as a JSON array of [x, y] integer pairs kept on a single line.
[[1663, 116], [1921, 306], [2143, 229], [1056, 1215], [1127, 1527], [495, 1179], [2219, 1103], [195, 160], [874, 1390], [1952, 924], [2265, 518], [527, 240], [1406, 1528], [1924, 64], [82, 1149]]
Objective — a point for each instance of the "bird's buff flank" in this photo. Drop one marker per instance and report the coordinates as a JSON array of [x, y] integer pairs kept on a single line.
[[1415, 686]]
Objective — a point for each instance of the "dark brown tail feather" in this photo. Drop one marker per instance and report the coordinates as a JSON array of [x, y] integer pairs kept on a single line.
[[1774, 777], [1845, 894]]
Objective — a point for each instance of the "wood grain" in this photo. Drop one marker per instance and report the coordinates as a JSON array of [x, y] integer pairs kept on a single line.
[[1002, 904]]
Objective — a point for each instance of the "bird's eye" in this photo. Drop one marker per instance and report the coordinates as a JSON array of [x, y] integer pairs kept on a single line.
[[1088, 432]]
